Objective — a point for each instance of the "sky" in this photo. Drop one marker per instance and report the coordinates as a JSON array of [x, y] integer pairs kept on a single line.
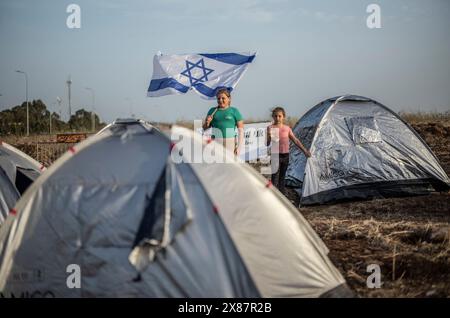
[[307, 51]]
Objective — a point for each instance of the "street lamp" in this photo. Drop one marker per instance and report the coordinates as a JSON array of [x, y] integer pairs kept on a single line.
[[26, 93], [50, 122], [93, 107], [53, 104]]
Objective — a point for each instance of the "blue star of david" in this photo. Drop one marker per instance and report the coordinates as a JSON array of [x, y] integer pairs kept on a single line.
[[201, 65]]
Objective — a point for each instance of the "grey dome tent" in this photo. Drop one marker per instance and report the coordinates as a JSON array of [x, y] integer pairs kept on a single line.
[[138, 224], [17, 172], [360, 149]]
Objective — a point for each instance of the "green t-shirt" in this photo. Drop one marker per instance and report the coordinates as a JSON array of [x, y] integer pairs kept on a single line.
[[225, 120]]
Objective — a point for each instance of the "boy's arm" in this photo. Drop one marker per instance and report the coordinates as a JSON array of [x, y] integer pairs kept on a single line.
[[299, 144]]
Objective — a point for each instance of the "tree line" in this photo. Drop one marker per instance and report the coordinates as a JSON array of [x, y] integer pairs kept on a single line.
[[14, 121]]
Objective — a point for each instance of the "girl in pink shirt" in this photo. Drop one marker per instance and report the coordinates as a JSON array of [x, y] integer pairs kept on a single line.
[[280, 134]]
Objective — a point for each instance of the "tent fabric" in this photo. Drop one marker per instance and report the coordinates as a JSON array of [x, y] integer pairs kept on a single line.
[[360, 149], [140, 225], [17, 172]]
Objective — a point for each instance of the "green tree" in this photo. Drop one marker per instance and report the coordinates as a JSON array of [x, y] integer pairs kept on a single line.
[[82, 121], [13, 121]]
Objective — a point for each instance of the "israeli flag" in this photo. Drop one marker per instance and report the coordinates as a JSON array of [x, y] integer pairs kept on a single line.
[[203, 73]]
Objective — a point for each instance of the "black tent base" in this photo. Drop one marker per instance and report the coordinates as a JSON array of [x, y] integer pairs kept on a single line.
[[376, 190]]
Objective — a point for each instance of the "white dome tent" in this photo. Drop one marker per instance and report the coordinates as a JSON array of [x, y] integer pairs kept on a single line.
[[360, 149], [17, 172], [139, 225]]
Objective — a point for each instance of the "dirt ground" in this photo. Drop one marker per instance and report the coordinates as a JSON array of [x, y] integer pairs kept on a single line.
[[407, 237]]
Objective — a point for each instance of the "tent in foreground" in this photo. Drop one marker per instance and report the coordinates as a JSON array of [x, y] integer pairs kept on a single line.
[[140, 225], [17, 172], [360, 149]]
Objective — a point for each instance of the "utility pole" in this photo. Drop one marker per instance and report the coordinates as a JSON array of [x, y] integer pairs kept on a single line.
[[93, 108], [26, 93], [69, 82]]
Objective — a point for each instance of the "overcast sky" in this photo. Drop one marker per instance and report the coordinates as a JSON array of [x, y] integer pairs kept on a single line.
[[307, 51]]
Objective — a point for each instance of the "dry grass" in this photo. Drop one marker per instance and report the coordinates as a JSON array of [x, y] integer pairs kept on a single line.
[[425, 117], [185, 123], [407, 237]]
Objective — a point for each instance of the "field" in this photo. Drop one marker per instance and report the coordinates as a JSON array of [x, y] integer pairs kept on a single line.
[[407, 237]]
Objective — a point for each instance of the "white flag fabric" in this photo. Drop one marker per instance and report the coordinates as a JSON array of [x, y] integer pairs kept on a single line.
[[255, 138], [203, 73], [255, 141]]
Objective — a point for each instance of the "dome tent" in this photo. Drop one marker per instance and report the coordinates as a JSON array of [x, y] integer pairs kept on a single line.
[[360, 149], [17, 172], [139, 225]]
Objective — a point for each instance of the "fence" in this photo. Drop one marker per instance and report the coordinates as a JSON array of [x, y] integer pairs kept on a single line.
[[44, 152], [45, 148], [48, 152]]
